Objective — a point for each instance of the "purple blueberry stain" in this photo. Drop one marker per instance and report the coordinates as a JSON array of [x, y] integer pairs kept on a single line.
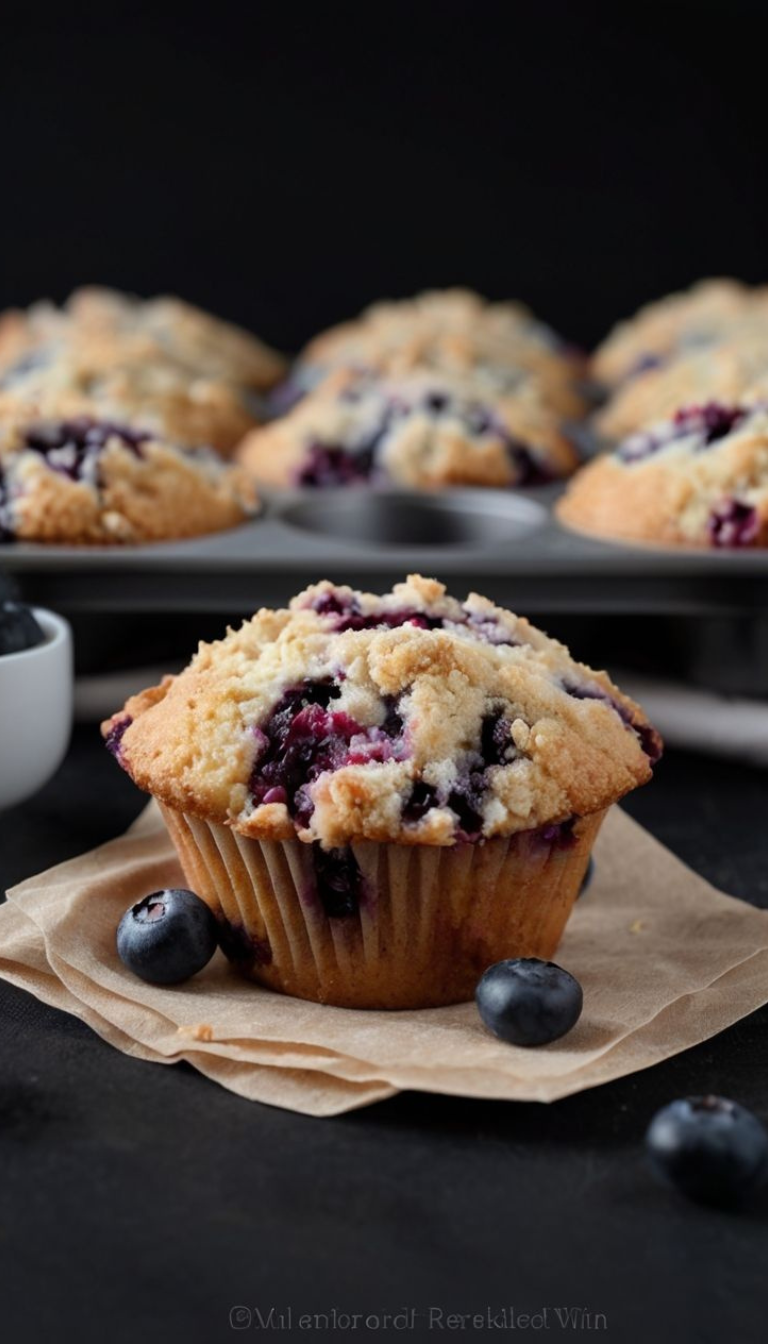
[[559, 833], [341, 464], [338, 881], [733, 524], [329, 465], [590, 690], [491, 630], [528, 469], [466, 796], [72, 447], [350, 616], [305, 737], [114, 738], [709, 423], [393, 725]]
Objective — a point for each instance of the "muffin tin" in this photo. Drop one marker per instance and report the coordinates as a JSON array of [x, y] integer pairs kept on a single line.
[[507, 545]]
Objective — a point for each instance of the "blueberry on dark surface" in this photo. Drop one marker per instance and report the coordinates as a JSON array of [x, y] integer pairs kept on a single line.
[[526, 1001], [18, 628], [167, 937], [709, 1148]]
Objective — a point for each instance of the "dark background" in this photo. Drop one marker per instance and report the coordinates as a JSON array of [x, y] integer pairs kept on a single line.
[[285, 166], [284, 169]]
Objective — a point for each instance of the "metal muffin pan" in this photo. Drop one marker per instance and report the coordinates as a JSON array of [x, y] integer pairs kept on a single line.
[[505, 544]]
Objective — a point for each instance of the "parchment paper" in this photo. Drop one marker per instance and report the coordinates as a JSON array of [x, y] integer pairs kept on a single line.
[[664, 959]]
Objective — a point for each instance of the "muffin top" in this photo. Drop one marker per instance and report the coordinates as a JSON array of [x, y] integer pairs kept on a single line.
[[725, 372], [697, 479], [455, 332], [88, 375], [197, 340], [85, 481], [123, 330], [420, 430], [696, 316], [411, 717]]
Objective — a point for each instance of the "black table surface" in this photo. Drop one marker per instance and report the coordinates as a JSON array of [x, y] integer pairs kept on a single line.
[[142, 1202]]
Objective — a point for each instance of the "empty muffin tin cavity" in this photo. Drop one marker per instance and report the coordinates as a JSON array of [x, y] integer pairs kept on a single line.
[[397, 518]]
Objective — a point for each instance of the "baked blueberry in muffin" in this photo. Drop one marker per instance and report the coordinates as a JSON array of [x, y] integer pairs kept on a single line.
[[87, 481], [726, 371], [420, 430], [94, 378], [381, 796], [697, 479]]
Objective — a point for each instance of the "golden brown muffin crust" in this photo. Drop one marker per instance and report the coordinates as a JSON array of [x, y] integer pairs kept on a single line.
[[451, 710]]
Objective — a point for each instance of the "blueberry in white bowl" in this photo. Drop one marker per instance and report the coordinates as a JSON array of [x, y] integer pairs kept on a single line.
[[167, 937], [529, 1002], [709, 1148], [19, 628]]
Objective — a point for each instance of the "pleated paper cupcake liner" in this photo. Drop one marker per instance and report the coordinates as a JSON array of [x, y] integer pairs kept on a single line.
[[424, 923]]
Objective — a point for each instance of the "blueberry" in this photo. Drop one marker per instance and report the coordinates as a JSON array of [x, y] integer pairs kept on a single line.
[[167, 937], [18, 628], [586, 880], [529, 1002], [709, 1148]]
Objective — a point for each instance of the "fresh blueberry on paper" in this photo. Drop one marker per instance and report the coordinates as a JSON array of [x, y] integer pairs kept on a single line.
[[18, 628], [526, 1001], [167, 937], [709, 1148]]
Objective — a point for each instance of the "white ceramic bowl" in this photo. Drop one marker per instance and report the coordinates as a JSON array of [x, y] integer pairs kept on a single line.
[[36, 693]]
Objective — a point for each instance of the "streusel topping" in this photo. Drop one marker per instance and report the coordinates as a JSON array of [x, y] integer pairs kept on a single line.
[[411, 717]]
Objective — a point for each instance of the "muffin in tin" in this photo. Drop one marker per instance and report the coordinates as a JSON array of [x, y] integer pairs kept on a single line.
[[192, 338], [697, 479], [420, 430], [90, 376], [455, 332], [381, 796], [129, 330], [699, 316], [723, 372], [84, 481]]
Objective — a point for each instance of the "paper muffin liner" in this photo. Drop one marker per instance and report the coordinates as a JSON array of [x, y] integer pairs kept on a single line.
[[428, 921]]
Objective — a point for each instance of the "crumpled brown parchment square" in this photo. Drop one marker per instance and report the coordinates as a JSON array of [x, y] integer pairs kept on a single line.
[[665, 961]]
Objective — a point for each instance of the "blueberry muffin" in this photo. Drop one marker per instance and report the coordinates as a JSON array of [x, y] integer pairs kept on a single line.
[[421, 430], [698, 479], [199, 342], [86, 376], [454, 332], [381, 796], [128, 330], [701, 315], [94, 482], [723, 372]]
